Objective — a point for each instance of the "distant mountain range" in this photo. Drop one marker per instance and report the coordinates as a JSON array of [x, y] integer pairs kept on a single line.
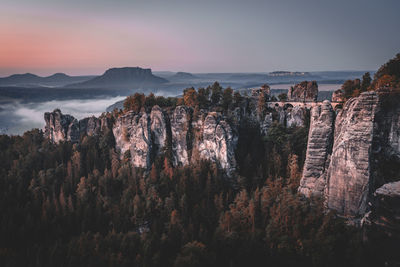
[[128, 77], [32, 80]]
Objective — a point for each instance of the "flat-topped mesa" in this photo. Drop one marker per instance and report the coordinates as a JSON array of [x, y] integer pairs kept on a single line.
[[306, 91], [319, 146]]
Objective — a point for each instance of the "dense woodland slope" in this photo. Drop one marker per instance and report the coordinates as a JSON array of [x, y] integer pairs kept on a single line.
[[81, 203]]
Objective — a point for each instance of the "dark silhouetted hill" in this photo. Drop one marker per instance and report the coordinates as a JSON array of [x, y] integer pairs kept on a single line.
[[128, 77], [32, 80]]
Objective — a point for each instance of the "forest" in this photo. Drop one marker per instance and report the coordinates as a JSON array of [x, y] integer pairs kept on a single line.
[[82, 205]]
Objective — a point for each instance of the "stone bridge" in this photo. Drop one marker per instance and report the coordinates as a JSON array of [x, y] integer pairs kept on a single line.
[[305, 104]]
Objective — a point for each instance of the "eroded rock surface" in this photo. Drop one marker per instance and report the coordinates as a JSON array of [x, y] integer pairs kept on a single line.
[[295, 116], [219, 142], [348, 175], [158, 128], [304, 91], [319, 145], [180, 127], [60, 127]]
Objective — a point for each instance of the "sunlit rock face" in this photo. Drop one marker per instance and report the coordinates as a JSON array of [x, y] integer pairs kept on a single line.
[[319, 145], [132, 133], [180, 129], [219, 142], [60, 127], [304, 91], [158, 128], [349, 172], [365, 152]]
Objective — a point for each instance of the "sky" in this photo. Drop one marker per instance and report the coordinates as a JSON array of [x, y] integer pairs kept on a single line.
[[81, 37]]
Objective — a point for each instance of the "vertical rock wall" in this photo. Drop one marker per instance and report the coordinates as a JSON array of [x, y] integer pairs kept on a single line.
[[319, 147], [348, 175]]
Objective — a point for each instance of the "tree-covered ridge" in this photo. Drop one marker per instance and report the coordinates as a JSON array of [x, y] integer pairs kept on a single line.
[[387, 78]]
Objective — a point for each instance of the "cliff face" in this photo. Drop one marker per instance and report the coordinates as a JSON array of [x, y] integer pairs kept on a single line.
[[180, 127], [349, 172], [219, 142], [60, 127], [319, 146], [208, 135], [365, 152]]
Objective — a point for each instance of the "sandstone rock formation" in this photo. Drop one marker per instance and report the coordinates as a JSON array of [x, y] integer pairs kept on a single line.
[[348, 175], [338, 96], [319, 147], [218, 143], [180, 128], [365, 153], [207, 134], [142, 134], [304, 91], [158, 128], [60, 127], [90, 126], [295, 116]]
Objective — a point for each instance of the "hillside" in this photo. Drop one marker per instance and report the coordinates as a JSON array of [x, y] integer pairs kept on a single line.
[[32, 80], [128, 77]]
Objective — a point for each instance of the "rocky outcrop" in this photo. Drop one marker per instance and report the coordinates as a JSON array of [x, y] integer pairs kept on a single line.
[[266, 123], [295, 116], [304, 91], [60, 127], [319, 147], [385, 213], [349, 172], [180, 129], [338, 96], [158, 128], [219, 142], [142, 134], [90, 126], [365, 153]]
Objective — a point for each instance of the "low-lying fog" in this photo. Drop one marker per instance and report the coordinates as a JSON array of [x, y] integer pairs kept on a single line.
[[17, 117]]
